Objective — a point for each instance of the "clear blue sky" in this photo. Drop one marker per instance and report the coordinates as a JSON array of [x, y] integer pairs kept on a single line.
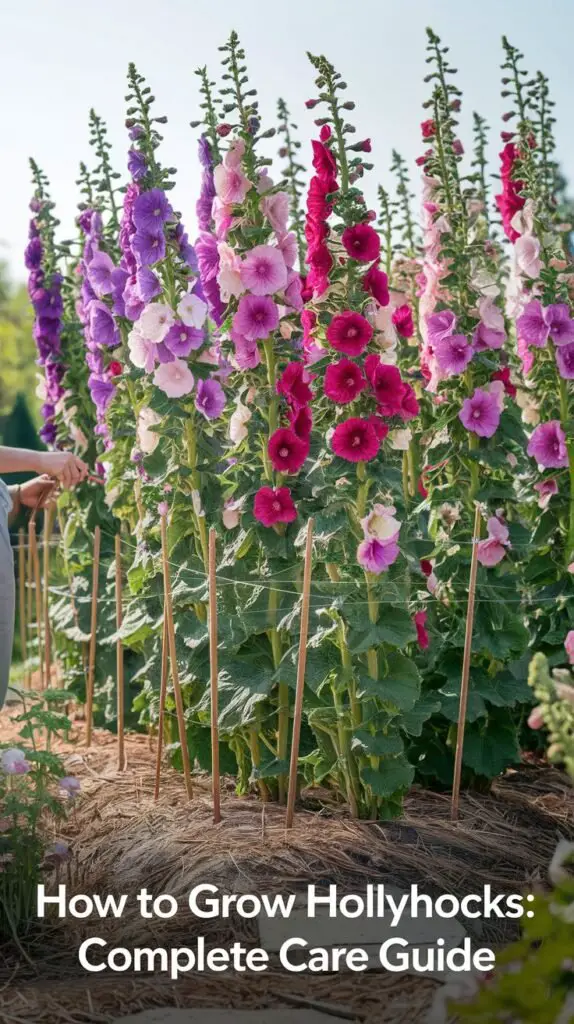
[[60, 57]]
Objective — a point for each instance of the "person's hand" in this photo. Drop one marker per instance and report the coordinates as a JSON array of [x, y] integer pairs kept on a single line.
[[37, 493], [64, 467]]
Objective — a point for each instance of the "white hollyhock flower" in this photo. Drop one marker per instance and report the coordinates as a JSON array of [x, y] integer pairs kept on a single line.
[[148, 439], [237, 424], [192, 311], [155, 322], [400, 439]]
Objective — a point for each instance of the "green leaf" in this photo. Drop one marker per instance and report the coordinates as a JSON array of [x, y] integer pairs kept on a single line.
[[399, 688], [379, 745], [396, 628], [391, 776], [489, 749], [412, 721]]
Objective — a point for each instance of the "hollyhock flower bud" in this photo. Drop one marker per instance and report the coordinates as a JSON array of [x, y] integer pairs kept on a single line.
[[223, 130], [163, 509], [361, 147], [115, 368], [311, 103], [419, 620], [428, 129], [457, 147]]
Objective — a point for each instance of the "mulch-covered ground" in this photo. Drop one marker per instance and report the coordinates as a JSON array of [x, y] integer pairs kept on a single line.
[[123, 840]]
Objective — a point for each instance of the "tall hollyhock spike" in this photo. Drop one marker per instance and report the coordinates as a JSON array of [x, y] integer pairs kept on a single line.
[[292, 173]]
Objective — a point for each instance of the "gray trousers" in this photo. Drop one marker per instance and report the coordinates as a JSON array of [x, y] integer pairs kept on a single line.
[[7, 593]]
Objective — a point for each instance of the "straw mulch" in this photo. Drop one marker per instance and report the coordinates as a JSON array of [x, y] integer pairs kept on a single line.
[[123, 841]]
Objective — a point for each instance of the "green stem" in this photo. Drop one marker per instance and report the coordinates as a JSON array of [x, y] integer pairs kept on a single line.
[[351, 771], [256, 762]]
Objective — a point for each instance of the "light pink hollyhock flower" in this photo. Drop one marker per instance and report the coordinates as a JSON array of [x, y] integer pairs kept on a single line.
[[491, 316], [192, 310], [147, 438], [276, 208], [14, 762], [143, 353], [222, 218], [229, 275], [527, 256], [231, 184], [380, 523], [569, 646], [231, 514], [155, 322], [163, 509], [287, 245], [264, 182], [263, 271], [546, 490], [536, 719], [492, 550], [175, 379], [496, 388], [238, 422]]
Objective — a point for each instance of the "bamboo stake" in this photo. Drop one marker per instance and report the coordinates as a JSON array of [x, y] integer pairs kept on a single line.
[[93, 637], [48, 527], [464, 683], [162, 698], [302, 660], [22, 592], [168, 611], [120, 657], [38, 594], [215, 779]]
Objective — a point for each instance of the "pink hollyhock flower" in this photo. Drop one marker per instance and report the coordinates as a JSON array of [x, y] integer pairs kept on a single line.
[[175, 379], [294, 385], [380, 523], [229, 273], [287, 245], [287, 451], [532, 326], [548, 445], [496, 388], [565, 361], [428, 129], [419, 620], [561, 327], [536, 719], [546, 490], [376, 556], [301, 421], [99, 273], [210, 399], [362, 243], [492, 550], [343, 381], [264, 181], [247, 354], [350, 333], [409, 405], [293, 291], [143, 353], [238, 422], [486, 337], [256, 317], [376, 284], [70, 785], [274, 505], [231, 184], [387, 385], [355, 440], [403, 321], [263, 271], [480, 414], [490, 315], [440, 325], [453, 354], [569, 645], [527, 256], [222, 219], [192, 310], [276, 209], [155, 321]]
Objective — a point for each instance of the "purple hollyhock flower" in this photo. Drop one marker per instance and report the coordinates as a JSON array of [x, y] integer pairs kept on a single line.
[[102, 392], [119, 281], [186, 250], [136, 164], [210, 399], [136, 131], [147, 284], [87, 293], [376, 555], [207, 192], [102, 325], [151, 211], [440, 325], [33, 254], [548, 445], [95, 361], [163, 353], [480, 414], [565, 361], [256, 317], [148, 247], [47, 303], [531, 325], [47, 411], [561, 327], [133, 305], [99, 271], [487, 337], [48, 433], [182, 340], [452, 353]]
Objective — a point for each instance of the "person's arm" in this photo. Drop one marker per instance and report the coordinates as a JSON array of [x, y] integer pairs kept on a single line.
[[65, 467]]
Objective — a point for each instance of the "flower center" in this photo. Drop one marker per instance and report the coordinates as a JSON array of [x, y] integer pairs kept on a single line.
[[157, 212], [476, 414], [259, 317], [284, 452], [352, 332], [276, 506], [356, 440], [155, 243], [349, 382], [183, 336]]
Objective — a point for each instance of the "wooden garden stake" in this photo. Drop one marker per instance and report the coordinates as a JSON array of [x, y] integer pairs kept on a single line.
[[48, 526], [168, 612], [215, 779], [298, 712], [93, 637], [162, 698], [38, 594], [22, 591], [464, 683], [120, 657]]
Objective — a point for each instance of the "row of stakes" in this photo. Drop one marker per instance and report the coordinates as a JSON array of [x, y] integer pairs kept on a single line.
[[169, 658]]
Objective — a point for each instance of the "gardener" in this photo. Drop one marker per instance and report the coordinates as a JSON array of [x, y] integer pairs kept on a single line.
[[62, 467]]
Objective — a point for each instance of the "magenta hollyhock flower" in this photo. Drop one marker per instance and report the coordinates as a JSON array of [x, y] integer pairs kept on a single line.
[[102, 325], [403, 321], [362, 243], [350, 333], [294, 385], [420, 619], [355, 440], [546, 490], [343, 381], [263, 271], [548, 445], [301, 421], [274, 505], [150, 211], [377, 555], [287, 451], [376, 284], [210, 399], [492, 550], [175, 379], [181, 340], [256, 317], [453, 354], [247, 354], [440, 325], [561, 327], [99, 272], [565, 361], [409, 403], [148, 247], [531, 325], [379, 426], [387, 385], [481, 413]]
